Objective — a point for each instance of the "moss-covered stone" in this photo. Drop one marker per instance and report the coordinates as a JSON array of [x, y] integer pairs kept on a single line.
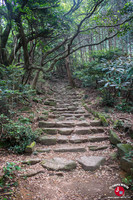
[[114, 139], [30, 148], [123, 149], [126, 164]]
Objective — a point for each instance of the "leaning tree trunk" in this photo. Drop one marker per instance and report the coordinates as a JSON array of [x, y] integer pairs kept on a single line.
[[71, 81], [34, 82]]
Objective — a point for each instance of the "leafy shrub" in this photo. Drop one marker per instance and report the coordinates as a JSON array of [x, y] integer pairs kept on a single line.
[[16, 135], [112, 54], [125, 106], [12, 91]]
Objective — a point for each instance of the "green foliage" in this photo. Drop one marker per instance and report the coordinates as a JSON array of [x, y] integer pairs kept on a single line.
[[9, 175], [118, 124], [128, 181], [9, 169], [12, 91], [125, 106], [129, 155], [102, 55], [16, 135], [113, 74]]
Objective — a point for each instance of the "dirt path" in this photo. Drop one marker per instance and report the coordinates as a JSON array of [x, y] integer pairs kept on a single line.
[[72, 159]]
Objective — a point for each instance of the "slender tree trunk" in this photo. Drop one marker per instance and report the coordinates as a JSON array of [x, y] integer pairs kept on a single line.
[[34, 82], [24, 44], [70, 79]]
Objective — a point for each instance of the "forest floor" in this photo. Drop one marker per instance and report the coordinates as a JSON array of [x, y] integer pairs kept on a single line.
[[44, 183]]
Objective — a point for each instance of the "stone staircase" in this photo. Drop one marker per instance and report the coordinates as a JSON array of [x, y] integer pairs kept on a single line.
[[70, 129]]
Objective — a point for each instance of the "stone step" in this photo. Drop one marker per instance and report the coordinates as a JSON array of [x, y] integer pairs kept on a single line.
[[77, 130], [97, 148], [98, 138], [76, 139], [64, 109], [62, 139], [88, 130], [61, 131], [69, 149], [75, 115], [43, 124]]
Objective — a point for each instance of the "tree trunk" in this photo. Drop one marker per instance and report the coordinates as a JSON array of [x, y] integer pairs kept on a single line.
[[34, 82], [24, 44], [71, 81]]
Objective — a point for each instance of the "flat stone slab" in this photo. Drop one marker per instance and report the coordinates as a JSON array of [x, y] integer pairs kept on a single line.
[[95, 123], [47, 140], [97, 138], [82, 123], [43, 150], [76, 139], [97, 130], [82, 130], [65, 131], [58, 164], [50, 131], [91, 163], [43, 124], [97, 148], [65, 124], [62, 139], [70, 149]]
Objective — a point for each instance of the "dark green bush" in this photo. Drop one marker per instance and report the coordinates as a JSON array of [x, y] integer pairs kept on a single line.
[[16, 135], [12, 91]]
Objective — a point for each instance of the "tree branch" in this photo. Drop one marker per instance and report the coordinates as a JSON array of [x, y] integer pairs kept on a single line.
[[107, 26], [82, 21]]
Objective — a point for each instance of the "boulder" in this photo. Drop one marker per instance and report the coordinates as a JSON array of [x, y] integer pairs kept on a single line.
[[123, 149], [126, 164], [113, 137]]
